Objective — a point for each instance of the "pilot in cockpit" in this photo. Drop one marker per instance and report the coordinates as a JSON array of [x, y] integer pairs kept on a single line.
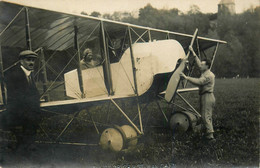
[[89, 59]]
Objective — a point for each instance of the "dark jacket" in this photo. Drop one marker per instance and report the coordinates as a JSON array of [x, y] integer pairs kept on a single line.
[[23, 100]]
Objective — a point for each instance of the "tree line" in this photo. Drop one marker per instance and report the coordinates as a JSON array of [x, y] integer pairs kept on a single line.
[[241, 55]]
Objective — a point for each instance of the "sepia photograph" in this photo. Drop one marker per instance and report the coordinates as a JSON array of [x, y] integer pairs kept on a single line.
[[129, 83]]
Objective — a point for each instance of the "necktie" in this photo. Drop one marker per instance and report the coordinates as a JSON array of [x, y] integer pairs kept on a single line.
[[30, 77]]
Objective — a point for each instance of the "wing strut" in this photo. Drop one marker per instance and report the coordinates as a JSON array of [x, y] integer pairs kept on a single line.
[[78, 59], [135, 80], [27, 30], [3, 96], [214, 55], [44, 72], [107, 69]]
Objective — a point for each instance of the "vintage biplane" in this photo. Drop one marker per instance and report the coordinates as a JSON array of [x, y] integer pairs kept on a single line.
[[137, 63]]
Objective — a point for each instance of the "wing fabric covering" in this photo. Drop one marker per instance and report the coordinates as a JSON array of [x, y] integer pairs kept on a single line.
[[54, 30]]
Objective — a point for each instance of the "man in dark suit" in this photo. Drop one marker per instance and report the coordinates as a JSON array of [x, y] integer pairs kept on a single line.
[[23, 100]]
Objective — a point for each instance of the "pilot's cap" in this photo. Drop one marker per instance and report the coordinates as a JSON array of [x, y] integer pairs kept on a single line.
[[27, 54], [87, 51]]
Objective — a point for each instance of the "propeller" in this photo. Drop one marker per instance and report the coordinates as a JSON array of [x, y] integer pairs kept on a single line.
[[175, 78]]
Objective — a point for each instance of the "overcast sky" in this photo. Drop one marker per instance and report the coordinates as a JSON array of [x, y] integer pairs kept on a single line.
[[109, 6]]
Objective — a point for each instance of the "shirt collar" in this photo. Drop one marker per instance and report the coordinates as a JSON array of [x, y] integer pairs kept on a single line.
[[27, 72]]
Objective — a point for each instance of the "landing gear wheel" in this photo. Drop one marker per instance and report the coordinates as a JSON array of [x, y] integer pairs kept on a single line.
[[111, 139], [118, 138]]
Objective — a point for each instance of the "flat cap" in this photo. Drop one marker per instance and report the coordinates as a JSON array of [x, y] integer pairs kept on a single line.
[[87, 51], [27, 53]]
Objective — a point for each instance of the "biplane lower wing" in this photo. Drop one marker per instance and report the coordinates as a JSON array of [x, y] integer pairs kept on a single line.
[[103, 98], [81, 101]]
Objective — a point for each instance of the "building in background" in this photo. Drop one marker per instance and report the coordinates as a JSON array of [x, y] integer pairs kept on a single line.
[[226, 7]]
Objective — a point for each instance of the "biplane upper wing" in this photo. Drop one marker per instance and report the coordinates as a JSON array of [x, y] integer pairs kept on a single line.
[[53, 30]]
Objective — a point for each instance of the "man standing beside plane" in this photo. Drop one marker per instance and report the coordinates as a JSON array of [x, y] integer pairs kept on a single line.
[[23, 100], [206, 84]]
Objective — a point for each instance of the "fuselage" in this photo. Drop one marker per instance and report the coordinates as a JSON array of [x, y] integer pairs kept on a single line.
[[153, 61]]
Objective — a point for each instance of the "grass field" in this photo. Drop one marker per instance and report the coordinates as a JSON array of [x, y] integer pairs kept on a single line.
[[236, 123]]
